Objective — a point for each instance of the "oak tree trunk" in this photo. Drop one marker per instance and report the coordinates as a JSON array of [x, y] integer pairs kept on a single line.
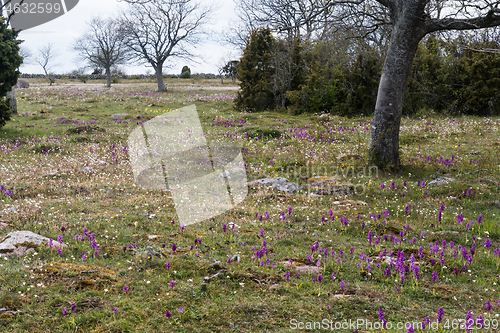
[[159, 78], [384, 138], [13, 101], [108, 77]]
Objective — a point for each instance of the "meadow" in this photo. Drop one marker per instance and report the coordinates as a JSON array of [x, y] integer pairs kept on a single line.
[[383, 248]]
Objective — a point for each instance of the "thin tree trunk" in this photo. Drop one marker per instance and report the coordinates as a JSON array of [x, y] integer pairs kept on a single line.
[[108, 77], [13, 101], [384, 137], [159, 78]]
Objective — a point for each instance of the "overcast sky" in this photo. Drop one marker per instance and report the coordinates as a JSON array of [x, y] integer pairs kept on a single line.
[[62, 31]]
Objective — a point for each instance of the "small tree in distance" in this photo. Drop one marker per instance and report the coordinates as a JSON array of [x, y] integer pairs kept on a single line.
[[220, 68], [231, 69], [227, 67], [185, 72], [157, 30], [45, 57]]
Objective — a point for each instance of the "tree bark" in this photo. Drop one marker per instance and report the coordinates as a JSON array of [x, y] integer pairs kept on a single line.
[[159, 79], [13, 101], [108, 77], [408, 30]]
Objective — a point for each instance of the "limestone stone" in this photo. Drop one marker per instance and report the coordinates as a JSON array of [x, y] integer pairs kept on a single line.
[[22, 84], [279, 183], [17, 243], [441, 181], [120, 116], [86, 169]]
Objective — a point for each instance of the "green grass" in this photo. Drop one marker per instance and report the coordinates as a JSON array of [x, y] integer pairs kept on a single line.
[[40, 159]]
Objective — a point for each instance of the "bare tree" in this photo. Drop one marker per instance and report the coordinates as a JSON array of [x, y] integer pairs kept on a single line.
[[221, 63], [287, 67], [289, 18], [102, 46], [239, 29], [226, 66], [157, 30], [45, 58]]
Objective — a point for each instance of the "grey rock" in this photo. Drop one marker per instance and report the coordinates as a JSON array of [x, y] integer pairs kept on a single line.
[[19, 242], [52, 174], [441, 181], [59, 119], [486, 181], [86, 169], [25, 114], [22, 84], [152, 252], [279, 183], [232, 172], [120, 116]]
